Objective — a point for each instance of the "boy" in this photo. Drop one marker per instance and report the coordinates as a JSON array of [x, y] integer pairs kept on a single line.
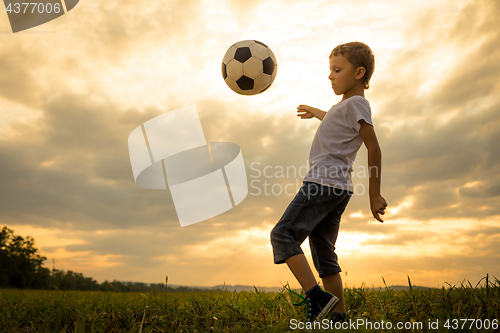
[[316, 209]]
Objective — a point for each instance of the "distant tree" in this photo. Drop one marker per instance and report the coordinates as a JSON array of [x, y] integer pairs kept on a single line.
[[21, 265], [72, 281], [5, 262]]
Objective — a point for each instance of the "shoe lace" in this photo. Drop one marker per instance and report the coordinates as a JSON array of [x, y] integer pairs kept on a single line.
[[305, 301]]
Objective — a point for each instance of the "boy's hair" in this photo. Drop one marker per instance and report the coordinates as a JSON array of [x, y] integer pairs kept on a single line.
[[360, 55]]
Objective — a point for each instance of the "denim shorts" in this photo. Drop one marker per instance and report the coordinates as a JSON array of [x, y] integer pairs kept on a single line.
[[315, 213]]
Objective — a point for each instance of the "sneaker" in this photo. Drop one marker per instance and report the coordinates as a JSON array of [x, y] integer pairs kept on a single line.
[[318, 303]]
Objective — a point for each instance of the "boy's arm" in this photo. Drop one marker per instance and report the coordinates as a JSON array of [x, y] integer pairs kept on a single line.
[[307, 112], [377, 202]]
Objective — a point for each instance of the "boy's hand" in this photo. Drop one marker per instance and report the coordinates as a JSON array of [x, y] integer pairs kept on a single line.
[[308, 112], [378, 205]]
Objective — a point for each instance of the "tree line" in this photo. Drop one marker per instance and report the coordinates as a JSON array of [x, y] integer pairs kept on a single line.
[[21, 266]]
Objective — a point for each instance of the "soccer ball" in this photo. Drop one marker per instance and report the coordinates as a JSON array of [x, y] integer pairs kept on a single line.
[[249, 67]]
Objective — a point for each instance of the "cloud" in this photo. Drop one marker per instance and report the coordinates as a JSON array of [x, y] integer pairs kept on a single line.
[[73, 167], [17, 81], [438, 126], [99, 76]]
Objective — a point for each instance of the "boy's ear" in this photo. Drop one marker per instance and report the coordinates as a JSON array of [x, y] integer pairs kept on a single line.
[[360, 72]]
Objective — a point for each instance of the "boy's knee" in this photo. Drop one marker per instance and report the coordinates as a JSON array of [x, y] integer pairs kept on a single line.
[[273, 234], [276, 236]]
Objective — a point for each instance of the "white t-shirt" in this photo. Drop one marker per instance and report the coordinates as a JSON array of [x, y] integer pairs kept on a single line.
[[336, 143]]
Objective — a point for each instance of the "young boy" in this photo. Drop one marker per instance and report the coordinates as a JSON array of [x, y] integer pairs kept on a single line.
[[316, 209]]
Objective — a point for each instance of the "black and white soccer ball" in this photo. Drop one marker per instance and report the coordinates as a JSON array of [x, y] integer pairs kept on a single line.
[[249, 67]]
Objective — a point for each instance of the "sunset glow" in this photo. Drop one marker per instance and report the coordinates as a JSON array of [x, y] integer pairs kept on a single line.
[[73, 89]]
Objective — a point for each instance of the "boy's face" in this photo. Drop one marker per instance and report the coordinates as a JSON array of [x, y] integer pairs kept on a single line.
[[343, 75]]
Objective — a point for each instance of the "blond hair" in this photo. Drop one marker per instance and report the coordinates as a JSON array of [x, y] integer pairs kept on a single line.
[[360, 55]]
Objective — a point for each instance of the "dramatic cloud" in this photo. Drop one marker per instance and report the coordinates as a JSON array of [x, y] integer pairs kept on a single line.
[[72, 91]]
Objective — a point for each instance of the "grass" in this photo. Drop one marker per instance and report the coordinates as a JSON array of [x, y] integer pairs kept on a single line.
[[222, 311]]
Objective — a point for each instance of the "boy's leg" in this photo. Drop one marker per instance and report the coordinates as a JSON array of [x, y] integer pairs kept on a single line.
[[322, 243], [302, 271], [319, 302], [301, 217], [333, 284]]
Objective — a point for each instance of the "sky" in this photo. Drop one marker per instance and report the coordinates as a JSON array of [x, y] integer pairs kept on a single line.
[[73, 89]]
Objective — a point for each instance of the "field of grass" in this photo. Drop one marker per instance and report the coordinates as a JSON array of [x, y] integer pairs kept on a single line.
[[445, 309]]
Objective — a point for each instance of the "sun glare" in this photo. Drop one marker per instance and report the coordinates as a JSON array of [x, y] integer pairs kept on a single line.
[[406, 203]]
